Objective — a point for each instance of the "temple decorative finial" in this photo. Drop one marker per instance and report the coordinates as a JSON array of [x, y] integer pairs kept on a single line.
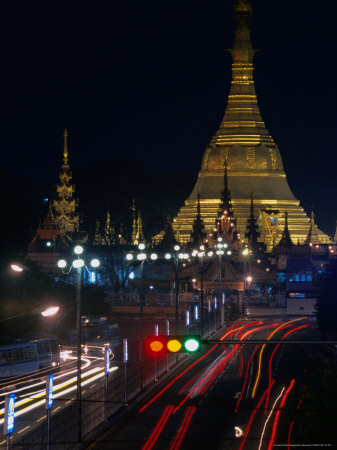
[[65, 148], [243, 6], [286, 238], [312, 236]]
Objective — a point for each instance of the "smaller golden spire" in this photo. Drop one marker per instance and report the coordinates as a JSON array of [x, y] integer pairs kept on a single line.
[[65, 148], [243, 6]]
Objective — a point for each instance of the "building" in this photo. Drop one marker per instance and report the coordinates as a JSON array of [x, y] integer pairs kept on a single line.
[[253, 159]]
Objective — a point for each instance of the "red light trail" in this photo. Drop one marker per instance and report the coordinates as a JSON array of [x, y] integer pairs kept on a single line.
[[158, 428], [183, 428], [277, 415]]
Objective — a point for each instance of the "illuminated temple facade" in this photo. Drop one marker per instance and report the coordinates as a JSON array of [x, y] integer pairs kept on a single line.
[[253, 159]]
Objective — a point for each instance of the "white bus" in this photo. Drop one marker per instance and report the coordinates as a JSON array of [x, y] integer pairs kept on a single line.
[[25, 357]]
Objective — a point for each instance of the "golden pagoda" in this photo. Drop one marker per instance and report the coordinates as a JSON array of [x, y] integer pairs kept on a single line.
[[65, 206], [254, 163]]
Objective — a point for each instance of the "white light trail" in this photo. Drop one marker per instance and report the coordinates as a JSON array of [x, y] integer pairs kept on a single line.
[[269, 416]]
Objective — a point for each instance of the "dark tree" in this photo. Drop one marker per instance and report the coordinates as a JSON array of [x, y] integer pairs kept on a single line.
[[326, 307]]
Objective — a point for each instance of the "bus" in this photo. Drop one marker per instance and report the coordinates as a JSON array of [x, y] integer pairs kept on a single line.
[[23, 357]]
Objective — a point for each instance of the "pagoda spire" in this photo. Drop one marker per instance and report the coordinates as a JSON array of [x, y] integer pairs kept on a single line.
[[65, 148], [140, 234], [225, 221], [286, 238], [134, 223], [226, 201], [312, 236], [97, 238], [198, 234], [169, 238], [108, 234], [252, 233], [335, 235], [65, 206]]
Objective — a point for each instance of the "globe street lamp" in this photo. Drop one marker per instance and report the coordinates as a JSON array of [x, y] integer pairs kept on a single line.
[[77, 264]]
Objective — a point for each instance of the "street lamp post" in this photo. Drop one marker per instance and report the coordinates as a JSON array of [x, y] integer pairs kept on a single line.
[[245, 253], [77, 264], [177, 256], [142, 257]]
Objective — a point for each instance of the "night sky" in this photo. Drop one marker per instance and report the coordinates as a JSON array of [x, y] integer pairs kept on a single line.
[[148, 81]]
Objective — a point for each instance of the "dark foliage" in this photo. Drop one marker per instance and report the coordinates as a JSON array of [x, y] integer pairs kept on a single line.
[[326, 307]]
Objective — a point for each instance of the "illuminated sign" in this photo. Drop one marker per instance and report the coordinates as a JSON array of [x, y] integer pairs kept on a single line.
[[187, 317], [49, 391], [125, 351], [107, 360], [9, 414]]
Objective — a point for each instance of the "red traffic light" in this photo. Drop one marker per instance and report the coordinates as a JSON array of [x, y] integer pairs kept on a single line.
[[155, 345]]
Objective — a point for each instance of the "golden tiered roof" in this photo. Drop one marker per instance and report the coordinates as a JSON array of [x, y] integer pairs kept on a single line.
[[253, 159], [65, 206]]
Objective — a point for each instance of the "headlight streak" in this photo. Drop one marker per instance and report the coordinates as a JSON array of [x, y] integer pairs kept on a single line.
[[252, 418], [262, 349], [269, 416], [176, 444], [278, 413], [158, 428], [42, 383], [56, 388]]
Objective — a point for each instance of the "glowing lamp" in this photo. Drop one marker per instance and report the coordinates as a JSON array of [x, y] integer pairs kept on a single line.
[[78, 250], [16, 268], [95, 262], [141, 246], [50, 311], [62, 263], [129, 257], [167, 256], [176, 248], [141, 256], [78, 263]]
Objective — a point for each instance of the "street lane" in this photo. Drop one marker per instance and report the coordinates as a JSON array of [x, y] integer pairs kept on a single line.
[[227, 386]]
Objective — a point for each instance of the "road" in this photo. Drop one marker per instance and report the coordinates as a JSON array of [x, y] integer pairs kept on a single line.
[[30, 390], [229, 396]]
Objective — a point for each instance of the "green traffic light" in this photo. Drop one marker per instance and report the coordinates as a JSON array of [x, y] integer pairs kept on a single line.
[[191, 345]]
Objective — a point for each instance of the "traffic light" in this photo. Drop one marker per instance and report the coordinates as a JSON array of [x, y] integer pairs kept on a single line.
[[161, 345]]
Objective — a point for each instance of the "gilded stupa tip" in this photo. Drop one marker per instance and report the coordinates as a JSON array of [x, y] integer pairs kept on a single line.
[[244, 6], [65, 148]]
